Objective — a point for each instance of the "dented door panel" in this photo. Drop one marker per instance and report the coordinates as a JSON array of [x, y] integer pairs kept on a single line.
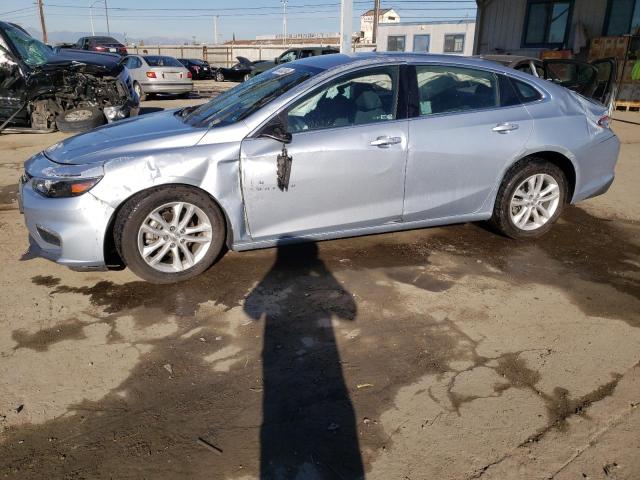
[[338, 181]]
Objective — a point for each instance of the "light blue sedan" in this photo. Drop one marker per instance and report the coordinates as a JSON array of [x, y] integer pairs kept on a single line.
[[326, 147]]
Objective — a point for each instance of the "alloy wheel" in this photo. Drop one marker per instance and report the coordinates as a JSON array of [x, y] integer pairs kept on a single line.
[[174, 237], [534, 201]]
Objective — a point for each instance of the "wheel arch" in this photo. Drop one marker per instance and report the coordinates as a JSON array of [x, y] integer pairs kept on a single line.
[[560, 160], [112, 257]]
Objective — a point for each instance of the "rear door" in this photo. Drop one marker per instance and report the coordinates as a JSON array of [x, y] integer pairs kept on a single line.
[[468, 124]]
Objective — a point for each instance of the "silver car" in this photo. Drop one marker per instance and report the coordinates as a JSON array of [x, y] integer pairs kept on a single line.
[[326, 147], [158, 74]]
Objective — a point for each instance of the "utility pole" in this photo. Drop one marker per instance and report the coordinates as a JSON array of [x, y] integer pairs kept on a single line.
[[346, 25], [376, 16], [215, 30], [106, 12], [284, 22], [42, 24]]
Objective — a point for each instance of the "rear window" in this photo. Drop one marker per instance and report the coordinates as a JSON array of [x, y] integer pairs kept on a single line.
[[105, 40], [160, 61]]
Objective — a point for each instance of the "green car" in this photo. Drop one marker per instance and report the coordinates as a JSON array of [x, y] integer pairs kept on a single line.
[[291, 55]]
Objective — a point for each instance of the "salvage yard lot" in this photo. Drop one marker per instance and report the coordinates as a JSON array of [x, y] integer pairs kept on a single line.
[[450, 353]]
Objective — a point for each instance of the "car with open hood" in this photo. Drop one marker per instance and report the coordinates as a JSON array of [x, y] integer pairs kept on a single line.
[[326, 147], [43, 88]]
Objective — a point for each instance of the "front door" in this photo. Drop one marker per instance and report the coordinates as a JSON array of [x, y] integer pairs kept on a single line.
[[348, 154]]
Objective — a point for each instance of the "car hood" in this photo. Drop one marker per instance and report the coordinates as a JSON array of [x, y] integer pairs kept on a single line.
[[91, 62], [147, 133]]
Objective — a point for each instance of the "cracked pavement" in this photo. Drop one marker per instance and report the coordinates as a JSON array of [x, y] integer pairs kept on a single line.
[[446, 353]]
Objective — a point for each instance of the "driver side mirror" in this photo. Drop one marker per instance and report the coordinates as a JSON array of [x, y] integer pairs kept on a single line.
[[277, 129], [276, 60]]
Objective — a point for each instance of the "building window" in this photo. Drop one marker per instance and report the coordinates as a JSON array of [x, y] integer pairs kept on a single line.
[[623, 16], [546, 23], [454, 43], [395, 43], [421, 43]]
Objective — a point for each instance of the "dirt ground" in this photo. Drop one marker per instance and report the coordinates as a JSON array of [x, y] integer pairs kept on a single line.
[[446, 353]]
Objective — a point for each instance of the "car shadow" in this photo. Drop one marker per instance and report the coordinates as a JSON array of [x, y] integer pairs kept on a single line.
[[308, 423]]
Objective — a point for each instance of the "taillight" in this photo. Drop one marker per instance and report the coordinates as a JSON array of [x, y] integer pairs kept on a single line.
[[100, 48], [151, 75], [189, 75], [604, 121]]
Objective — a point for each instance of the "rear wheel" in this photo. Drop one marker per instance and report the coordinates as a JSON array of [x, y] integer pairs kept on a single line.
[[219, 77], [530, 199], [139, 91], [169, 234]]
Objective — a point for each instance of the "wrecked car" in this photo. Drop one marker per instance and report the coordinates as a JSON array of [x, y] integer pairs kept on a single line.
[[326, 147], [43, 89]]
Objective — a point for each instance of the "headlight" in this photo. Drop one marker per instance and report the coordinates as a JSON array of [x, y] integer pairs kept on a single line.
[[114, 113], [63, 188]]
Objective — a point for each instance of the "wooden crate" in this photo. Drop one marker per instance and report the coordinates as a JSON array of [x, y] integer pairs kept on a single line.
[[628, 106]]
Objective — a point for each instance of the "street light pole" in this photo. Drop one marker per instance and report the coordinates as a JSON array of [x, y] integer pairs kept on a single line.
[[93, 30], [346, 24], [42, 24], [106, 12], [284, 22]]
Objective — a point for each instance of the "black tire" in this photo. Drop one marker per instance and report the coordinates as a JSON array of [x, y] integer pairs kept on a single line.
[[134, 212], [80, 119], [138, 88], [501, 219], [219, 77], [184, 95]]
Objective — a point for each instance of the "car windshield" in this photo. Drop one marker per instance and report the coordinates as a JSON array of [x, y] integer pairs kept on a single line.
[[159, 61], [33, 52], [250, 96]]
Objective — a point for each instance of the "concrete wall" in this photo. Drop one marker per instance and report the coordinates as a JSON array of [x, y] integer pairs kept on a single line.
[[501, 24], [224, 55], [436, 31]]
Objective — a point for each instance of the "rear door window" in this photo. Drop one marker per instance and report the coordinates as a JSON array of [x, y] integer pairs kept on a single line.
[[447, 89]]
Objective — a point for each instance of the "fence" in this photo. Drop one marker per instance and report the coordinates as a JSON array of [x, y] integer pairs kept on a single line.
[[224, 55]]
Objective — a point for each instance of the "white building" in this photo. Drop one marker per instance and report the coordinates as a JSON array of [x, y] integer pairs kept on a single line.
[[427, 37], [387, 15]]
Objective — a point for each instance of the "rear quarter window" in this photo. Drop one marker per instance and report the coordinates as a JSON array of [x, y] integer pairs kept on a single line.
[[526, 93]]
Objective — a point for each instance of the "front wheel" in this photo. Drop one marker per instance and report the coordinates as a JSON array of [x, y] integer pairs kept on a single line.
[[530, 199], [219, 77], [169, 234]]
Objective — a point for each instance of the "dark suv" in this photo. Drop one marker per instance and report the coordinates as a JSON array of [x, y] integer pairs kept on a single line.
[[291, 55], [101, 44]]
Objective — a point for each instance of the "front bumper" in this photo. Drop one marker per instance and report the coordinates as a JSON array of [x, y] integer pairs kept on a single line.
[[69, 231]]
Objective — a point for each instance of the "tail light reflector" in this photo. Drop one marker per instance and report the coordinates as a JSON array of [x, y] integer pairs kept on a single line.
[[189, 75], [604, 121], [151, 75]]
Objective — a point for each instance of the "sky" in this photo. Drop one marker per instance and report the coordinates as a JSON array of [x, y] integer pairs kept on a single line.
[[186, 19]]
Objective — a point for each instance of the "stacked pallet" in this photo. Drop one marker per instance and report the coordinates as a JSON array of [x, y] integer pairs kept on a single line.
[[626, 50]]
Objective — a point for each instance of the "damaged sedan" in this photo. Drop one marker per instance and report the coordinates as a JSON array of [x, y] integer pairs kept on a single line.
[[326, 147], [44, 89]]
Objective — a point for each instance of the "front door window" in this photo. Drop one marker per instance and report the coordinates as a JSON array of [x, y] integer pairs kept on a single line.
[[356, 99]]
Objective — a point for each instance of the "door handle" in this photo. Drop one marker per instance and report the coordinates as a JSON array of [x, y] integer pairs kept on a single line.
[[505, 127], [384, 142]]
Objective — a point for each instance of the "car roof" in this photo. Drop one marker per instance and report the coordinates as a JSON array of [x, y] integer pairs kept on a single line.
[[506, 59], [327, 62]]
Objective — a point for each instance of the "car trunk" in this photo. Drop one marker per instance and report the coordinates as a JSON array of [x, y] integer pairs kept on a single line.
[[170, 74], [595, 80]]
